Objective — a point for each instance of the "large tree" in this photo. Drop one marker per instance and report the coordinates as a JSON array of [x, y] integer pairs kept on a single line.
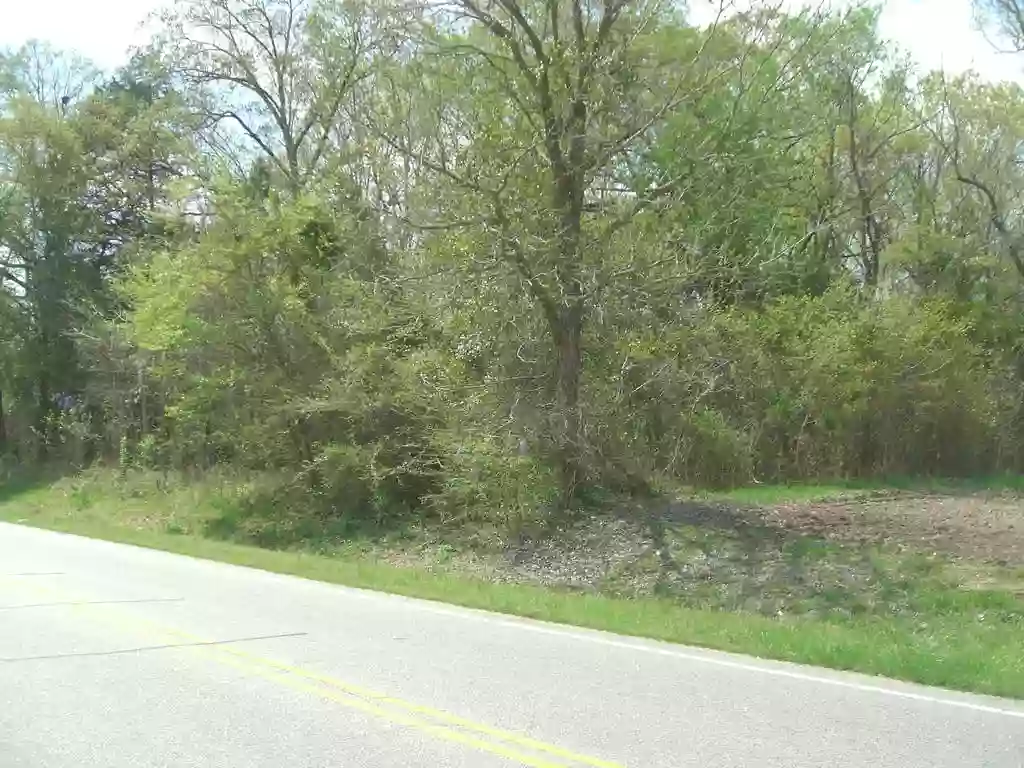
[[533, 126], [82, 177]]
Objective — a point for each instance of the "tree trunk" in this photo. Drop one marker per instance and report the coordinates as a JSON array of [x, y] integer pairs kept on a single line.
[[568, 337], [568, 325], [44, 408]]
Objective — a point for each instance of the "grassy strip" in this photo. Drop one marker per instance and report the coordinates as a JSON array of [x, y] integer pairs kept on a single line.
[[851, 489], [946, 647]]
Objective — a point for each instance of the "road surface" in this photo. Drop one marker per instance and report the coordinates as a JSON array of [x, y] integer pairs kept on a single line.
[[118, 657]]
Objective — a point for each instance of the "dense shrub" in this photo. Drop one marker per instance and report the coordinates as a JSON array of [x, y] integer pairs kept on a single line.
[[485, 478], [812, 387]]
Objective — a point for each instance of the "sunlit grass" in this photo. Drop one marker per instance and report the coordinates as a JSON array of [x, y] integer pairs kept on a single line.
[[767, 494], [969, 639]]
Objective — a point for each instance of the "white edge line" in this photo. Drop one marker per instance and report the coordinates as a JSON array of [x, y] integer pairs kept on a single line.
[[597, 636]]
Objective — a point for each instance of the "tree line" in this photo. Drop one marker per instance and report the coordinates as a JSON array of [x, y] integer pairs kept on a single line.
[[495, 256]]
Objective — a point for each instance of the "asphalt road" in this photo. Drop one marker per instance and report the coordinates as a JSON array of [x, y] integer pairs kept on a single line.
[[118, 657]]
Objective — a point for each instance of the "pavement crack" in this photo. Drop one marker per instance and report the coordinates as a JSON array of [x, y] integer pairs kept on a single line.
[[73, 603], [147, 648]]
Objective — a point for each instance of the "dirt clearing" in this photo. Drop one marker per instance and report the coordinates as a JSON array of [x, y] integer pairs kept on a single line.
[[987, 527]]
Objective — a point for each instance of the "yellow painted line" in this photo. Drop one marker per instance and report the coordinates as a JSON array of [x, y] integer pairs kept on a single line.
[[134, 624], [437, 714], [437, 731], [365, 693], [356, 695]]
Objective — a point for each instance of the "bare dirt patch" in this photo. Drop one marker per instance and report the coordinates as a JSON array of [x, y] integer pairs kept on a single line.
[[986, 527]]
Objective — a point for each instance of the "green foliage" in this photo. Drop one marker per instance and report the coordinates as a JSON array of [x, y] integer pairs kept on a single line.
[[809, 387], [474, 271], [484, 478]]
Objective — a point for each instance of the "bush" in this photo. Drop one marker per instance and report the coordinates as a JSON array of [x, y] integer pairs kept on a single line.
[[810, 387], [379, 481], [484, 478]]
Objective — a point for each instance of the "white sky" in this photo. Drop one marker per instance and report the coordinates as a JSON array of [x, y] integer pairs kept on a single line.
[[937, 33], [101, 30]]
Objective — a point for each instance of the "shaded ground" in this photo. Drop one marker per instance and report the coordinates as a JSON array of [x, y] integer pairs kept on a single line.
[[876, 554], [862, 553], [856, 553]]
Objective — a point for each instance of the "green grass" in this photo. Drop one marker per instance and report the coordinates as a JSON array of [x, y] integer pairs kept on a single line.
[[768, 494], [961, 639], [782, 494]]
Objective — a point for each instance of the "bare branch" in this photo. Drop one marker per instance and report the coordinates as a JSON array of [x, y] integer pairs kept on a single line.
[[1014, 245]]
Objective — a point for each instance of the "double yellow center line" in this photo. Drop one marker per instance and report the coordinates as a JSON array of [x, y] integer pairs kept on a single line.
[[436, 723]]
